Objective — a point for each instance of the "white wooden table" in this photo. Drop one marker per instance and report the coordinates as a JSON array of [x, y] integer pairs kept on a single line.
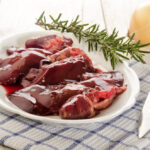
[[20, 15]]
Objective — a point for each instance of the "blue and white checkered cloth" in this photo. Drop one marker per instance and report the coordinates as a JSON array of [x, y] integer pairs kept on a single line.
[[119, 133]]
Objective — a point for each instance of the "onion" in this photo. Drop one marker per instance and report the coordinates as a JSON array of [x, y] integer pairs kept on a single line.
[[140, 23]]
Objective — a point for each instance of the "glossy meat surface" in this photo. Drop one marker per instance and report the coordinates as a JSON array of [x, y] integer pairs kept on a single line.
[[76, 107], [88, 104], [13, 50], [70, 68], [44, 100], [17, 65], [75, 100], [103, 80], [68, 52], [111, 77], [53, 43]]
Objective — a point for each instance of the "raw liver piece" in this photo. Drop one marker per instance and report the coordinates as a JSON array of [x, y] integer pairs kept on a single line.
[[44, 100], [112, 77], [75, 100], [13, 50], [53, 43], [70, 68], [87, 105], [13, 67], [25, 99], [68, 52], [104, 81], [77, 107]]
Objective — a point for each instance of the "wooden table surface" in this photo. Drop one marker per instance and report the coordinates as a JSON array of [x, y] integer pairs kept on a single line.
[[20, 15]]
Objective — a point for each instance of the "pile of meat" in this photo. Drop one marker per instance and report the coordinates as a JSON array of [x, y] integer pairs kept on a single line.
[[58, 79]]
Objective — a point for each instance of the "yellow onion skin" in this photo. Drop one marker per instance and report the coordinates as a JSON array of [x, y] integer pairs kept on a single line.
[[140, 23]]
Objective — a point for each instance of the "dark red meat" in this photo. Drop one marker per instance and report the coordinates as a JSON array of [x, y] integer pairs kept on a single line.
[[53, 100], [68, 52], [112, 77], [70, 68], [53, 43], [17, 65], [57, 79], [103, 80], [49, 99], [25, 99], [44, 100], [77, 107], [86, 105], [13, 50]]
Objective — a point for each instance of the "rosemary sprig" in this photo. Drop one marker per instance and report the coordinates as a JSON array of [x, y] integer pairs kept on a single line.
[[113, 47]]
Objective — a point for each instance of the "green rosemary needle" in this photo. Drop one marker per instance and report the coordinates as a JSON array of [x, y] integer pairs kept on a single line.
[[113, 47]]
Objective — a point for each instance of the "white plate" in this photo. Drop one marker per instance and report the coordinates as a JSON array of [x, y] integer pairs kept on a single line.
[[121, 103]]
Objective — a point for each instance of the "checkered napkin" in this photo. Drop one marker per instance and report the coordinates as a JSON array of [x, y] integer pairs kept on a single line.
[[119, 133]]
